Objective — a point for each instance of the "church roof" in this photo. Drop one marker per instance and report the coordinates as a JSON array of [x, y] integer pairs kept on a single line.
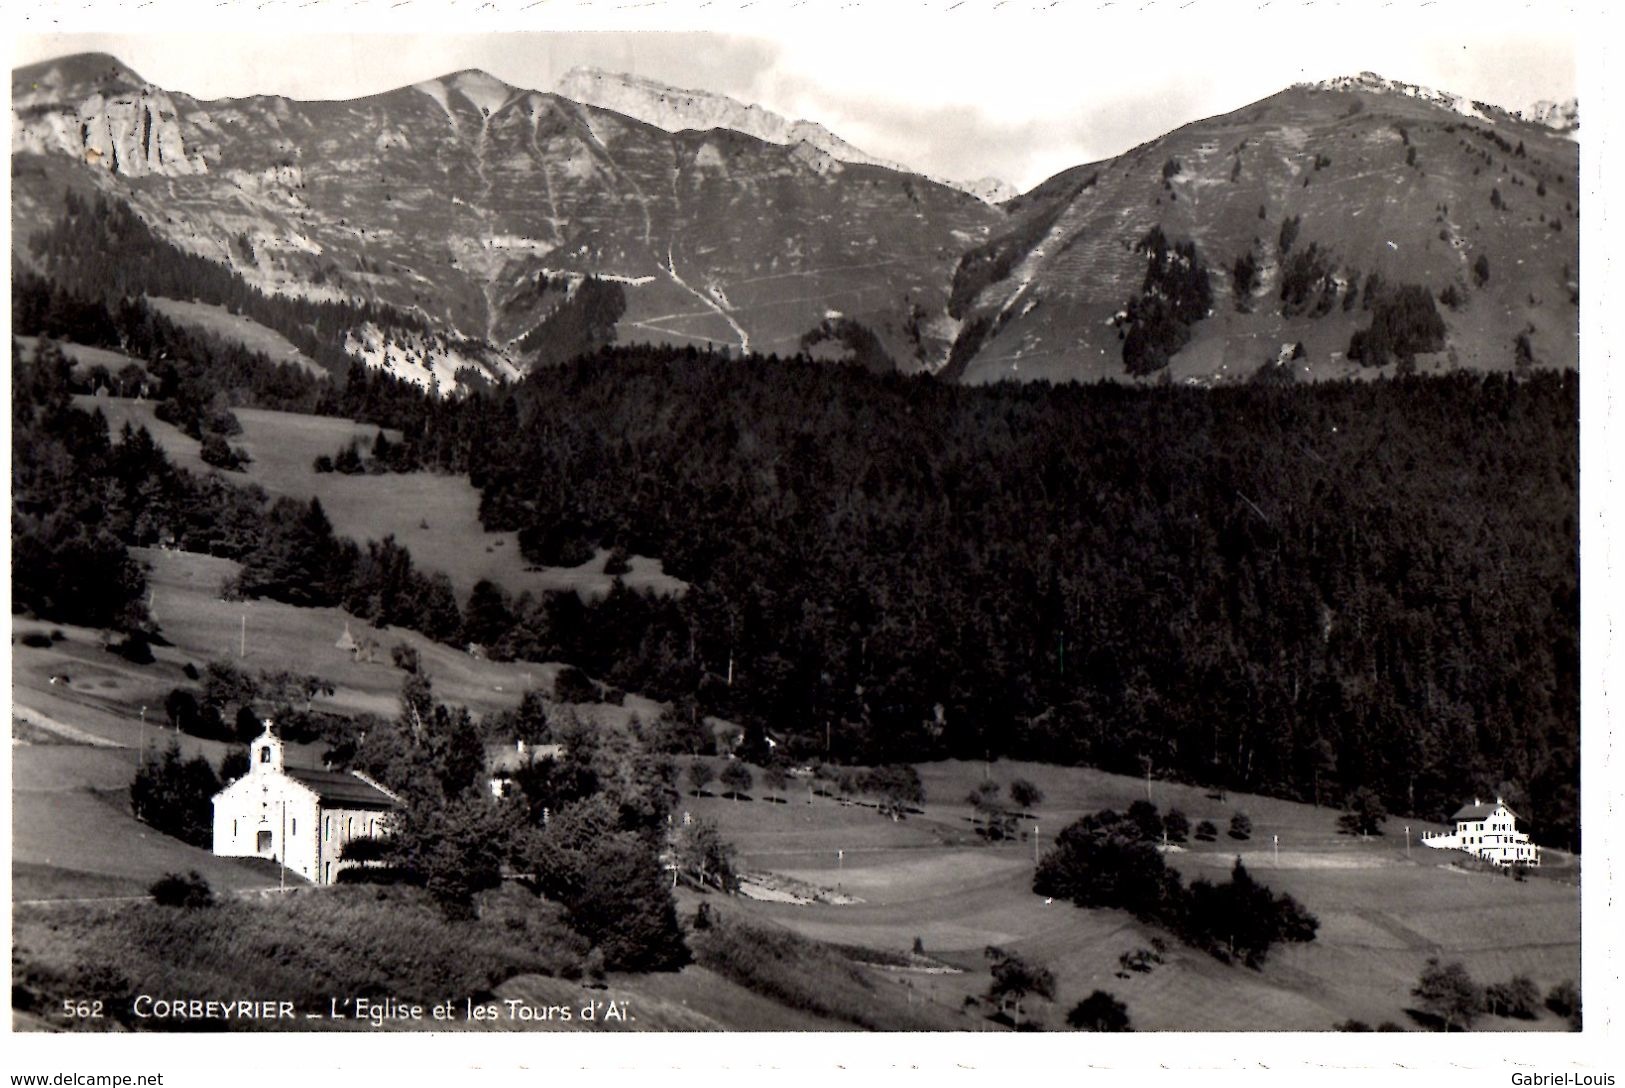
[[341, 789]]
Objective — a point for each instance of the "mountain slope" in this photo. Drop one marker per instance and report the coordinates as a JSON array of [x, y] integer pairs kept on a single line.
[[481, 207], [1381, 178], [678, 108], [493, 228]]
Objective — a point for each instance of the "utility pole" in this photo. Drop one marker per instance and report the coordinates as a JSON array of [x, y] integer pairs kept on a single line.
[[1407, 842], [141, 753], [1035, 842], [1277, 851]]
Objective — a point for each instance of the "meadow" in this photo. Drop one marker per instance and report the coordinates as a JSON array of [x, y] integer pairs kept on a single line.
[[1383, 911], [929, 876], [236, 329], [435, 516]]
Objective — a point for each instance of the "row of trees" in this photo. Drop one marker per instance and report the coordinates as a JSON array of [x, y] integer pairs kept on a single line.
[[1448, 994]]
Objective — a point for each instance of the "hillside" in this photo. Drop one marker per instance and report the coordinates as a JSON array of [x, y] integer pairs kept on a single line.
[[1380, 179], [1383, 908], [479, 208]]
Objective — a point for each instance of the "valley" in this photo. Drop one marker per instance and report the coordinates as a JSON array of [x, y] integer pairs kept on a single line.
[[661, 554]]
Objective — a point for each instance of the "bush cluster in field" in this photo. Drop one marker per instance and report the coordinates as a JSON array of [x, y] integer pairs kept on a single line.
[[1108, 859]]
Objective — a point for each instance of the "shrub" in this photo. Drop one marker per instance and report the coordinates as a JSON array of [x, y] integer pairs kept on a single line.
[[1517, 997], [1014, 980], [1206, 831], [1100, 1011], [617, 562], [1523, 352], [1241, 827], [1175, 825], [1243, 278], [39, 640], [1365, 814], [1448, 993], [135, 648], [1481, 271], [216, 452], [1564, 1000], [1289, 233], [1024, 793], [405, 657], [737, 777], [189, 892]]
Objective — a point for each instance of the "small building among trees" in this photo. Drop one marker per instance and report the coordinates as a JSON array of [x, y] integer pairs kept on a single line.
[[1489, 832], [301, 818]]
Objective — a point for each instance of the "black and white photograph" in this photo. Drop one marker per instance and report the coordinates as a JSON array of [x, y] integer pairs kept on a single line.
[[1052, 522]]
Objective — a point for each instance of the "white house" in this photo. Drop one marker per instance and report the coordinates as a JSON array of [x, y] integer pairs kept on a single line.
[[302, 818], [503, 762], [1489, 832]]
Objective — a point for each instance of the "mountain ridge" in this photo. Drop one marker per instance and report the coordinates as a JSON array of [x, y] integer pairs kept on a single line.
[[675, 108], [480, 208]]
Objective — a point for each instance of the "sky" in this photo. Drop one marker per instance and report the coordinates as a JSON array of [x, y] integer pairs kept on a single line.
[[955, 89]]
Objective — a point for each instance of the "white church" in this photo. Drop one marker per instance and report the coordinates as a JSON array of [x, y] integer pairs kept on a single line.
[[301, 818], [1489, 832]]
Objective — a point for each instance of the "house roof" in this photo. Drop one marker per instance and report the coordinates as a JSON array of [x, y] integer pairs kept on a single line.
[[347, 790], [505, 759], [1479, 811]]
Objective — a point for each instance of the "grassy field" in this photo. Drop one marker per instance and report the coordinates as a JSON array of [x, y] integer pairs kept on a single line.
[[83, 356], [1383, 910], [80, 726], [237, 329], [1382, 913], [436, 517]]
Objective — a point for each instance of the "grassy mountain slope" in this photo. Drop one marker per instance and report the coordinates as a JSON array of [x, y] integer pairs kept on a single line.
[[1380, 182]]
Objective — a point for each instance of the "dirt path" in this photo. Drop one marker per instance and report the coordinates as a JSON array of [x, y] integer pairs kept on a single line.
[[72, 734]]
